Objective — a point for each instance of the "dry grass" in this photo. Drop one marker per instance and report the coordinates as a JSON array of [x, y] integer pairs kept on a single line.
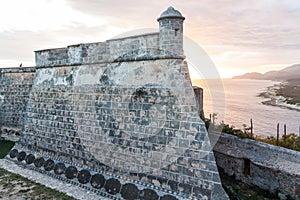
[[14, 186]]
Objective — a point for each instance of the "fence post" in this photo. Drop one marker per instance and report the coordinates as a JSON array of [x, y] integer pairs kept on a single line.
[[214, 118], [299, 137], [284, 139], [277, 139], [251, 128]]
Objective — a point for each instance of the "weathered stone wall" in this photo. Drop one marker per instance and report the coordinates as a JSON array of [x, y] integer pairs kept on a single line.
[[199, 100], [120, 118], [140, 47], [171, 32], [15, 87], [272, 168], [110, 126]]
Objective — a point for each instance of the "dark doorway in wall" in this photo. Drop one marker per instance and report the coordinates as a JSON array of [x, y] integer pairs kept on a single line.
[[247, 166]]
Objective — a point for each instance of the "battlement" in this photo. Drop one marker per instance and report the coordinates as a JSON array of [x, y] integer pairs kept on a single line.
[[122, 49], [165, 44]]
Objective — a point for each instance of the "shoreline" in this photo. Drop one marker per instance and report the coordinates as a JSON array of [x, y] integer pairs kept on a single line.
[[276, 97]]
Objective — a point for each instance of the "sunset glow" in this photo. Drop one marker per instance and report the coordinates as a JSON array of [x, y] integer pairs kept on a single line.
[[238, 36]]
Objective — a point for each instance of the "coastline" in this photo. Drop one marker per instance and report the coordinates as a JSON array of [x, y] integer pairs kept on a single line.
[[278, 95]]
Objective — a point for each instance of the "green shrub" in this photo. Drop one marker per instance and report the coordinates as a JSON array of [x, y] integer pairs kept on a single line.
[[5, 147], [291, 140]]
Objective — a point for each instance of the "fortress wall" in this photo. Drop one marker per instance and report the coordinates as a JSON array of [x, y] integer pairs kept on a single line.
[[130, 48], [52, 57], [120, 118], [109, 126], [15, 87], [272, 168], [133, 47]]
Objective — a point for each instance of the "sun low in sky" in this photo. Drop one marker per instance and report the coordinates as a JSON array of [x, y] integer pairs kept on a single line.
[[239, 36]]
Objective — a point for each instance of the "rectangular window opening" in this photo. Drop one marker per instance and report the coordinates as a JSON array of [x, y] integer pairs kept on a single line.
[[247, 166]]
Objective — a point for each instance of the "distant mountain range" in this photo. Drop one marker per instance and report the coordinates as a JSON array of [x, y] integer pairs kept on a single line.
[[288, 73]]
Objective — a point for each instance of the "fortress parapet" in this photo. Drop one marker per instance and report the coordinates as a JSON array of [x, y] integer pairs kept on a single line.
[[167, 43]]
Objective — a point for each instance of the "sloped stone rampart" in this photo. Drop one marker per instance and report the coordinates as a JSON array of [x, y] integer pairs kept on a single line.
[[110, 126]]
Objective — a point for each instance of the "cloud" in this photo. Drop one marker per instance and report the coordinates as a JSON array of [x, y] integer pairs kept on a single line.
[[268, 29], [19, 46], [262, 24], [41, 15], [253, 24]]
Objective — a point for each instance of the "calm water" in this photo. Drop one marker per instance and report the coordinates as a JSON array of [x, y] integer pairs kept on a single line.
[[236, 102]]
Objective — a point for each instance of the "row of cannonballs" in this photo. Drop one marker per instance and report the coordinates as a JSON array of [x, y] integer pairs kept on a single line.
[[10, 132], [112, 186]]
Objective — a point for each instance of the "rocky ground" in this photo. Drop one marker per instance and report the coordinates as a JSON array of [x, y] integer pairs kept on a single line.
[[286, 94]]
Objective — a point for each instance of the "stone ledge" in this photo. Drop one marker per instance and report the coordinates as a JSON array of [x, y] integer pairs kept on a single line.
[[17, 69], [118, 60], [133, 36], [269, 167], [237, 148]]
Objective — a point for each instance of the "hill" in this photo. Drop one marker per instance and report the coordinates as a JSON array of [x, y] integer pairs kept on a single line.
[[288, 73], [251, 75]]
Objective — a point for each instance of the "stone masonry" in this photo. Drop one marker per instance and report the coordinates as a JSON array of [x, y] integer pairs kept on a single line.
[[119, 118], [272, 168], [15, 87]]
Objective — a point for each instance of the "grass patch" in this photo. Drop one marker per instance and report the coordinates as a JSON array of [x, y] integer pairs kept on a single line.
[[28, 188], [24, 191], [5, 147], [237, 190], [48, 193], [290, 141]]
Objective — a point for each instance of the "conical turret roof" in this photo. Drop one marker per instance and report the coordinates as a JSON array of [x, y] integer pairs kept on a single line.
[[170, 13]]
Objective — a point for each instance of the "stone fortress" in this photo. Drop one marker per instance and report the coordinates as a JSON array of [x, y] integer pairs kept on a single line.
[[118, 118]]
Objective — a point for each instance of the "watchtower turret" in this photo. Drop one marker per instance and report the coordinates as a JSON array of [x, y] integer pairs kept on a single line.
[[171, 32]]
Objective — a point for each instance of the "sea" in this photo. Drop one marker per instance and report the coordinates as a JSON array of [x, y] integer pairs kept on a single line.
[[236, 101]]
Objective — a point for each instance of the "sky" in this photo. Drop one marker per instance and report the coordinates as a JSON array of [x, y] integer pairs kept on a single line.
[[238, 35]]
